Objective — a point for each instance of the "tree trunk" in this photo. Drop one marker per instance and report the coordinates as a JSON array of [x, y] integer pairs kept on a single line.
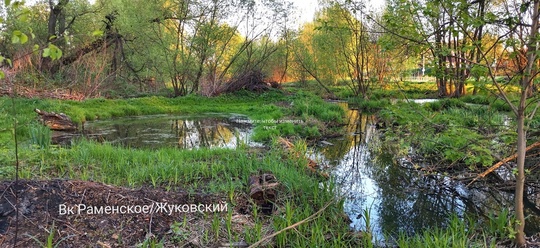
[[56, 19], [530, 71], [58, 122], [520, 180]]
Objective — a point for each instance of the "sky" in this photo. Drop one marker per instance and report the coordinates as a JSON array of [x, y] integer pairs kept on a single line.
[[307, 8]]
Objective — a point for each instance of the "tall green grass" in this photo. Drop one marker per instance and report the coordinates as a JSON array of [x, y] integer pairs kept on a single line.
[[461, 233]]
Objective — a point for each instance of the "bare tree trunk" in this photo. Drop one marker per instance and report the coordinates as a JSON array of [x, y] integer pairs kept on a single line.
[[520, 180], [526, 79]]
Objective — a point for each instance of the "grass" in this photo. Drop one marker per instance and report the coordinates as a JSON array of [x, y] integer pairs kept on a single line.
[[461, 233], [219, 171], [397, 90], [305, 117], [449, 131]]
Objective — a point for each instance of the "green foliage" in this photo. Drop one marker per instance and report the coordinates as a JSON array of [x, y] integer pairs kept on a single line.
[[369, 106], [305, 118], [306, 105], [19, 37], [498, 228], [501, 225], [217, 171], [447, 130], [52, 51]]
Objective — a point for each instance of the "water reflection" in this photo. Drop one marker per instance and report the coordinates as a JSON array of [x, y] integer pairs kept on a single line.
[[187, 132], [398, 196]]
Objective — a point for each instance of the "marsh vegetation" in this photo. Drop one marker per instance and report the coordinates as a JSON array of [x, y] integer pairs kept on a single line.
[[414, 126]]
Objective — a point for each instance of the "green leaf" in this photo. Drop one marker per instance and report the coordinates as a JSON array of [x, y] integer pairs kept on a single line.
[[35, 48], [52, 52], [24, 38], [46, 52], [15, 37], [97, 33], [23, 16], [19, 37], [524, 7], [7, 2], [32, 33], [2, 75]]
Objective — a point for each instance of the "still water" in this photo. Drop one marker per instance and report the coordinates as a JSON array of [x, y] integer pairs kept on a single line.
[[186, 132], [395, 194]]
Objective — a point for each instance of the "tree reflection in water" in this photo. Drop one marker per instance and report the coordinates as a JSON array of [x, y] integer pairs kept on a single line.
[[399, 197], [186, 132]]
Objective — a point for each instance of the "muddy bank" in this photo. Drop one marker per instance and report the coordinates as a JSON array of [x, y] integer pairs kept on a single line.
[[109, 216]]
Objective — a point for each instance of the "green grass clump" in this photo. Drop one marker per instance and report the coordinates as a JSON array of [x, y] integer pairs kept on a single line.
[[306, 105], [448, 131], [463, 233], [477, 99], [369, 106]]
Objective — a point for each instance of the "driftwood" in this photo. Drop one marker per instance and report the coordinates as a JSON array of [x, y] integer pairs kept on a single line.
[[262, 190], [57, 122], [500, 163], [311, 165]]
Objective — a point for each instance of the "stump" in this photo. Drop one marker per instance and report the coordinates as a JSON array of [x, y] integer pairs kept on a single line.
[[56, 122], [262, 190]]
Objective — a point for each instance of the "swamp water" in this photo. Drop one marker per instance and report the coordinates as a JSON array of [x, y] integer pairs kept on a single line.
[[182, 131], [394, 195]]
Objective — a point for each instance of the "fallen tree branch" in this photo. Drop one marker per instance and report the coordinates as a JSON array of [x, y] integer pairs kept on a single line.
[[310, 218], [500, 163]]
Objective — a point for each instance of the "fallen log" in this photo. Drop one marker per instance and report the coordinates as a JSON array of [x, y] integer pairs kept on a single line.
[[57, 122], [500, 163]]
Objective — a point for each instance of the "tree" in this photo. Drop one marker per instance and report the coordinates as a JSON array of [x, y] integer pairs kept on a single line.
[[347, 23], [337, 46], [525, 33]]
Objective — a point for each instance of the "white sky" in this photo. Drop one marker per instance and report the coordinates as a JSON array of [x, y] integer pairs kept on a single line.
[[307, 8]]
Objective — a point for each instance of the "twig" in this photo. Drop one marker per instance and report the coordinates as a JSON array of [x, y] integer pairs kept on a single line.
[[311, 217]]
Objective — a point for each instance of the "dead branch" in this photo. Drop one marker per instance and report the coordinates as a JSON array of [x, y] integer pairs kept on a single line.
[[500, 163]]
